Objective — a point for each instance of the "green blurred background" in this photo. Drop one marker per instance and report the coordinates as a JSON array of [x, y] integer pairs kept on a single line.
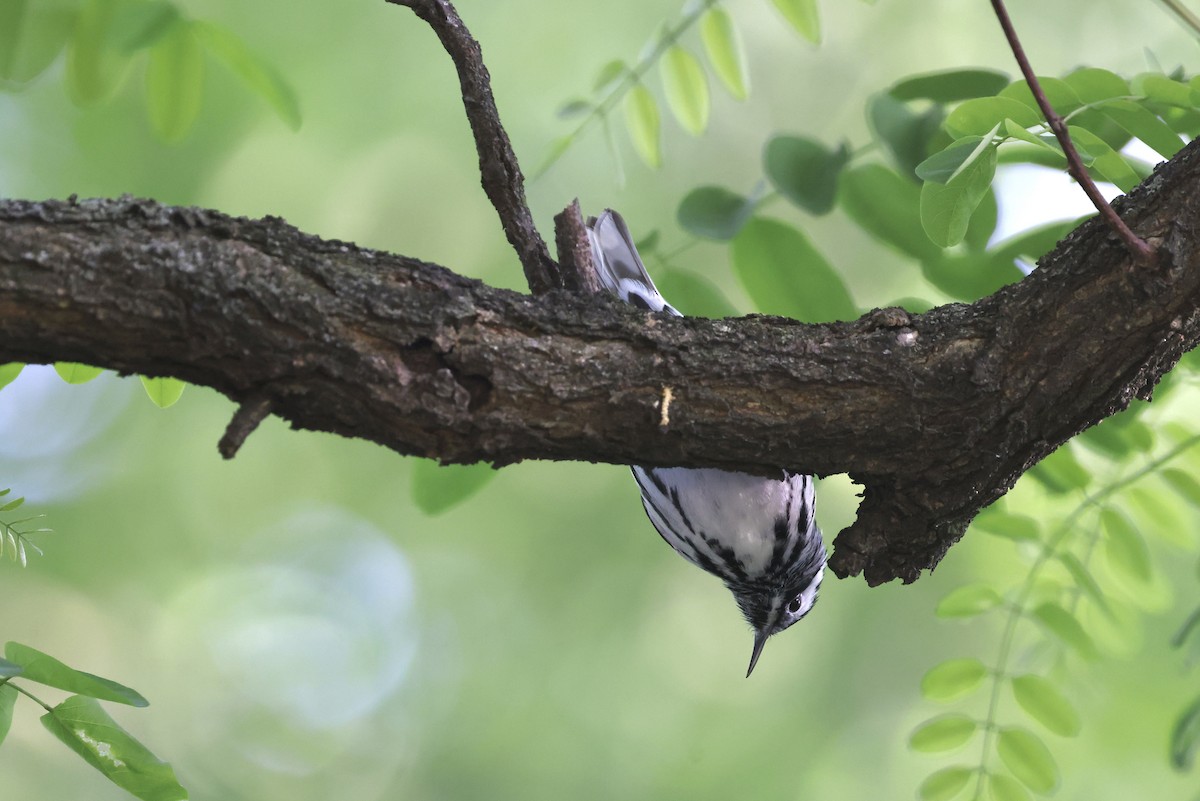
[[304, 631]]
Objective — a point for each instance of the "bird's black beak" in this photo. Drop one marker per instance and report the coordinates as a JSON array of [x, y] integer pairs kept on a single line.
[[760, 639]]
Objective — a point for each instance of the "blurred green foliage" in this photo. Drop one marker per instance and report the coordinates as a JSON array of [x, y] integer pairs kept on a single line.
[[321, 618]]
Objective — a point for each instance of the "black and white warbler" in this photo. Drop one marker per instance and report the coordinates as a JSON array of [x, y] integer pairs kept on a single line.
[[756, 534]]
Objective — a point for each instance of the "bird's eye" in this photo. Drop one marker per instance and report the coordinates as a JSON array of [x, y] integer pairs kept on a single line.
[[794, 606]]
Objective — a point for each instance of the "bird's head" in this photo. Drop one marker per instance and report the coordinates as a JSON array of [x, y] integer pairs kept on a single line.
[[771, 608]]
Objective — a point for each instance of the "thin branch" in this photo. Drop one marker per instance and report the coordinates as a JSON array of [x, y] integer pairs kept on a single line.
[[499, 171], [1186, 16], [1141, 250]]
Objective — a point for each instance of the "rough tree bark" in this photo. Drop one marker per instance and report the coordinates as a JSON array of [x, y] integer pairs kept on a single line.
[[937, 415]]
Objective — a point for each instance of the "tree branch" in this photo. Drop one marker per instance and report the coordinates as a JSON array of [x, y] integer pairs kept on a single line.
[[937, 415], [498, 167]]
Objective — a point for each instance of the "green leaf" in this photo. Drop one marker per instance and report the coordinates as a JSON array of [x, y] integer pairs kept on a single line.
[[608, 73], [1058, 92], [1162, 89], [1042, 140], [1036, 242], [803, 16], [1060, 472], [905, 134], [723, 47], [686, 89], [886, 206], [953, 679], [1027, 757], [804, 171], [945, 783], [945, 164], [1005, 788], [784, 274], [693, 294], [138, 25], [96, 67], [648, 242], [641, 120], [950, 86], [1163, 520], [574, 108], [1143, 124], [1103, 126], [15, 503], [1125, 548], [45, 669], [983, 114], [1045, 704], [1065, 626], [8, 697], [436, 488], [259, 76], [980, 230], [946, 209], [943, 733], [1183, 483], [1185, 737], [1018, 528], [1040, 156], [714, 212], [9, 373], [32, 34], [88, 730], [1097, 154], [163, 391], [175, 82], [1092, 84], [74, 373], [971, 276], [968, 601], [1084, 579], [1113, 439]]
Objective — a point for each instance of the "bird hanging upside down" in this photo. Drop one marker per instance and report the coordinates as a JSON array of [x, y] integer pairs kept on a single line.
[[756, 534]]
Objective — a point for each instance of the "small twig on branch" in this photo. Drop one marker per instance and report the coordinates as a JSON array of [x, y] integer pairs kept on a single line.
[[499, 171], [1141, 250], [245, 420], [575, 251]]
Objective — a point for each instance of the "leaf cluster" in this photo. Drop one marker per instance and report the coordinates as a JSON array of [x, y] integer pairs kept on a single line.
[[13, 533], [80, 723], [104, 39], [685, 86], [1073, 600], [932, 201], [163, 391]]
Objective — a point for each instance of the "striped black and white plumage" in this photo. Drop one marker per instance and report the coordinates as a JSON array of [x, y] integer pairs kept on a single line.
[[756, 534]]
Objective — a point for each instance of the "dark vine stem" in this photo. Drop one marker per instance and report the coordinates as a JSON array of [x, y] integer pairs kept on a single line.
[[1141, 250], [499, 171]]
